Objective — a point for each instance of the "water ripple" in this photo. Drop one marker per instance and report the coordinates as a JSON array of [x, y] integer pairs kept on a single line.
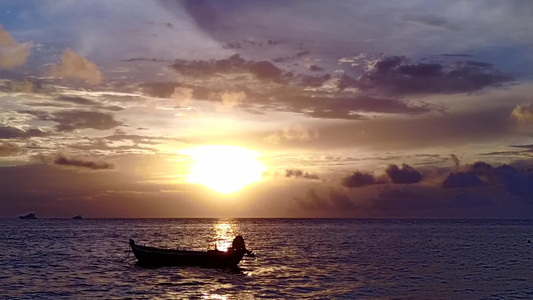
[[296, 259]]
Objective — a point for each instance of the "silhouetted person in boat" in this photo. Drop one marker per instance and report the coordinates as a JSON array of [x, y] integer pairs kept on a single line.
[[239, 245]]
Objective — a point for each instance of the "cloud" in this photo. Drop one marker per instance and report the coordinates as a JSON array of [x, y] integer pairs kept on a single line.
[[295, 133], [406, 174], [523, 113], [296, 173], [341, 201], [232, 99], [518, 182], [397, 75], [7, 132], [312, 201], [70, 120], [77, 100], [336, 201], [435, 130], [401, 200], [274, 87], [429, 20], [462, 179], [12, 54], [63, 160], [182, 95], [261, 70], [358, 179], [342, 107], [79, 119], [162, 89], [455, 160], [87, 102], [9, 149], [24, 86], [74, 66]]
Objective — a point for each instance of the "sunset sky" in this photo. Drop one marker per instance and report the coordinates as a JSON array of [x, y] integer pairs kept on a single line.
[[266, 108]]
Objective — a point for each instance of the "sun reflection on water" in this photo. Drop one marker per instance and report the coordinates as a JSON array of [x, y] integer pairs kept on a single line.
[[225, 232]]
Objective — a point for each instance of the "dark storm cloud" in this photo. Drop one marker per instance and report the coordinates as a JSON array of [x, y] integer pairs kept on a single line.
[[398, 75], [288, 95], [382, 85], [296, 173], [414, 201], [406, 174], [9, 149], [455, 160], [63, 160], [7, 132], [70, 120], [359, 179], [159, 89], [312, 201], [401, 200], [419, 201], [341, 201], [389, 76], [462, 179], [336, 201], [514, 180], [262, 70]]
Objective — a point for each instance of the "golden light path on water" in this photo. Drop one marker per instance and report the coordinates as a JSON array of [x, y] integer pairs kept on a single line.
[[223, 168], [225, 232]]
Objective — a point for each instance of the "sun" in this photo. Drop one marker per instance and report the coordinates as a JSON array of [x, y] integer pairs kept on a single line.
[[223, 168]]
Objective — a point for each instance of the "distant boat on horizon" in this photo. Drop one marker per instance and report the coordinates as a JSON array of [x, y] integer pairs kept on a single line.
[[77, 217], [28, 216]]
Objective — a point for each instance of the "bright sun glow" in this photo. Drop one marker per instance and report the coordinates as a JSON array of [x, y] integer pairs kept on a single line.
[[224, 169]]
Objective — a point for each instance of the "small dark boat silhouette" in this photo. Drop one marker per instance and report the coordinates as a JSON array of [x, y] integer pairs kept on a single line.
[[28, 216], [77, 217], [151, 256]]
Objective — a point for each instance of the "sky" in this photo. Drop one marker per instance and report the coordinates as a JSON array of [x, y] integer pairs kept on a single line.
[[362, 109]]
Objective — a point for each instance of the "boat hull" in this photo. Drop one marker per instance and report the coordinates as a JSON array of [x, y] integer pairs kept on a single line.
[[150, 256], [29, 216]]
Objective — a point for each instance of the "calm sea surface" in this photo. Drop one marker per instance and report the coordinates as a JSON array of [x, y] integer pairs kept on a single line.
[[295, 259]]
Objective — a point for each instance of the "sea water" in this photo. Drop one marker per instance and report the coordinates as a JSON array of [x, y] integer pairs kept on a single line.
[[295, 259]]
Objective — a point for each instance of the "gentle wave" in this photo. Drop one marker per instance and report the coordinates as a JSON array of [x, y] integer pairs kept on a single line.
[[295, 259]]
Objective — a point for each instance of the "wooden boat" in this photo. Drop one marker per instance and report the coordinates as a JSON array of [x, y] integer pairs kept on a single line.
[[151, 256], [28, 216]]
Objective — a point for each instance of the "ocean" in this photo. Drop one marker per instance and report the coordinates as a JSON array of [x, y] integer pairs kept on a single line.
[[295, 259]]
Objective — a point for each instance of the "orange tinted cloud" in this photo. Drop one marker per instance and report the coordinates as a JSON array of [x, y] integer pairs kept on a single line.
[[12, 54], [74, 66], [523, 113]]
